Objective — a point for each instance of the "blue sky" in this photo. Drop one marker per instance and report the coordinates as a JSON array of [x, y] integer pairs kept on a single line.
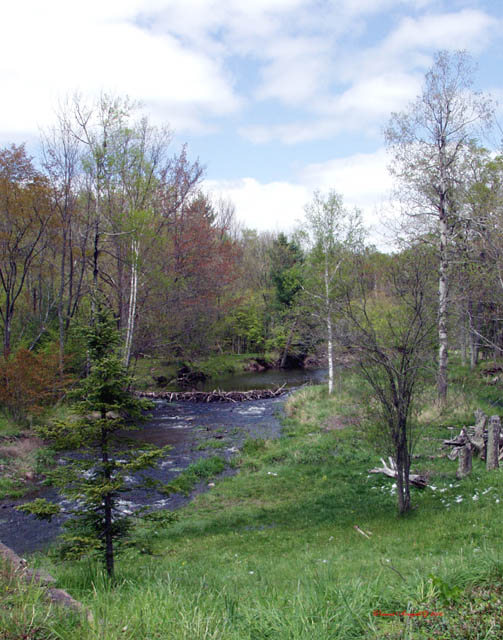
[[276, 97]]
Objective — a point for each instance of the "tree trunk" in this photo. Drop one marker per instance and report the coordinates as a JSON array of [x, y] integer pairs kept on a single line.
[[107, 504], [442, 309], [61, 315], [132, 302], [403, 470], [493, 440], [330, 341]]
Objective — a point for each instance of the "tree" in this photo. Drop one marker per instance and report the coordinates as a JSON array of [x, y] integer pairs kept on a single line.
[[331, 233], [390, 337], [427, 143], [61, 151], [98, 476], [25, 211], [286, 258]]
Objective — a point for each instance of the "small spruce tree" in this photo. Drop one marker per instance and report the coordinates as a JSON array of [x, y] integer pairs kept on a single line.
[[96, 476]]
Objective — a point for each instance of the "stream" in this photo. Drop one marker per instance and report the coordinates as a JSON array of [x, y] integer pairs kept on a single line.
[[187, 427]]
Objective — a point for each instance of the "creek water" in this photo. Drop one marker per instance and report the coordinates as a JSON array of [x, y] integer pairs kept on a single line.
[[193, 430]]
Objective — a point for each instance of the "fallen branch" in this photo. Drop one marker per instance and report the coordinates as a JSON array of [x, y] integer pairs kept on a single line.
[[357, 528], [391, 471]]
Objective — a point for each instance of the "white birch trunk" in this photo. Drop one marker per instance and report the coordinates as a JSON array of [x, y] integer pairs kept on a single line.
[[442, 309], [132, 302], [330, 345]]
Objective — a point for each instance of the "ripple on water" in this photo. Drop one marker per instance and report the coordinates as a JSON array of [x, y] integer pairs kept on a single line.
[[251, 411]]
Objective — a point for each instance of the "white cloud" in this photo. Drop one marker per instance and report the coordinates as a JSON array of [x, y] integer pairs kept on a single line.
[[367, 85], [462, 30], [273, 206], [97, 47], [362, 180]]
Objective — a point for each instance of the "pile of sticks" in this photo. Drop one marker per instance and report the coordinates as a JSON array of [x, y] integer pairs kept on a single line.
[[213, 396]]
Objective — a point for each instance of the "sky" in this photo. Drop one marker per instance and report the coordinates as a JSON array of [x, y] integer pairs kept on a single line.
[[277, 98]]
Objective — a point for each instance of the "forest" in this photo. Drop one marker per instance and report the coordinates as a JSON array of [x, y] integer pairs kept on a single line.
[[117, 265]]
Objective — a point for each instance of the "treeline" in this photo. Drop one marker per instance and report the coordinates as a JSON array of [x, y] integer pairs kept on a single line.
[[112, 210]]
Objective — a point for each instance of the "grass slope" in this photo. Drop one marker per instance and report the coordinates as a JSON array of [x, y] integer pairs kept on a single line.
[[272, 553]]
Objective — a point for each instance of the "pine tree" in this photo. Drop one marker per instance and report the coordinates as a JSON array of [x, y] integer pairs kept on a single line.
[[96, 476]]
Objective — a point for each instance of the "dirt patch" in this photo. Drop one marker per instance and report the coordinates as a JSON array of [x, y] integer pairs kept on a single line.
[[335, 423], [19, 447]]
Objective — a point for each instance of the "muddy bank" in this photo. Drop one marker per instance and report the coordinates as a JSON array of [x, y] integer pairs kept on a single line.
[[193, 430]]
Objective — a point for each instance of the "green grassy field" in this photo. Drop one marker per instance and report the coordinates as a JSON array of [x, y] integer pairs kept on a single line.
[[273, 552]]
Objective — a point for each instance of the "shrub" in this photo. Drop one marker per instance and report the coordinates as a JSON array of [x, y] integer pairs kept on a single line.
[[29, 382]]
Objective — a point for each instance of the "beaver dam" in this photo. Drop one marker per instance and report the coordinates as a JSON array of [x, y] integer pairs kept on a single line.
[[213, 396]]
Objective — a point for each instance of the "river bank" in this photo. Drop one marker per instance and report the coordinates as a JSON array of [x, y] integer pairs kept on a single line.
[[227, 372], [195, 431]]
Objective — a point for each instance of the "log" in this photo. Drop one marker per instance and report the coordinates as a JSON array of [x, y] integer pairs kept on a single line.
[[390, 471], [465, 461], [493, 442]]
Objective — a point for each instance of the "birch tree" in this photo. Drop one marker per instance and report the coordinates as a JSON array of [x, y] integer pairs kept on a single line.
[[330, 234], [427, 143]]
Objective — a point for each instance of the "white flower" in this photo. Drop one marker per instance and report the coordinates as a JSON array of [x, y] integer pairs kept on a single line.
[[251, 572]]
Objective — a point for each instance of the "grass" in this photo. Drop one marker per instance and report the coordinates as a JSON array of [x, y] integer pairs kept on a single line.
[[273, 552], [23, 458], [26, 614], [202, 469]]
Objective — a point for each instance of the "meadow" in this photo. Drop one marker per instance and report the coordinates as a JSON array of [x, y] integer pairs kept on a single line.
[[303, 543]]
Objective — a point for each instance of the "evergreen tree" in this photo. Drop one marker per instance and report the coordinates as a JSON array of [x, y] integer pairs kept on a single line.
[[97, 476]]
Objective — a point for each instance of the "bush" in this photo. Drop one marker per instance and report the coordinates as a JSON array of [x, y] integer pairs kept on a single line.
[[29, 382]]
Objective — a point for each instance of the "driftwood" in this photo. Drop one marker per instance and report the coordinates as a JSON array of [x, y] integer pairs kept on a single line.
[[213, 396], [391, 471]]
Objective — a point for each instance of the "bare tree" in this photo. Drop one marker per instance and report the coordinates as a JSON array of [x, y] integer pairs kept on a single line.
[[427, 143], [390, 336]]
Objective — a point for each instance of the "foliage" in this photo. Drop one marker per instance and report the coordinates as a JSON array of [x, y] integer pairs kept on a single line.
[[30, 382]]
